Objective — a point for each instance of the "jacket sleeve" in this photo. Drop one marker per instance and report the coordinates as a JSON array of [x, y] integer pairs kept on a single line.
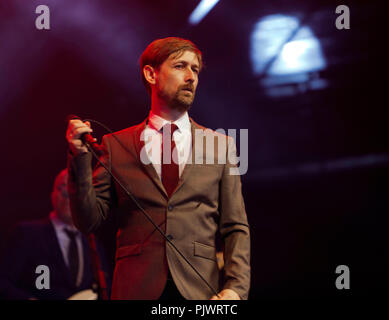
[[90, 193], [234, 228]]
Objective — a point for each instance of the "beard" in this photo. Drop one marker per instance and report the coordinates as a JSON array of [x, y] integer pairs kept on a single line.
[[180, 101]]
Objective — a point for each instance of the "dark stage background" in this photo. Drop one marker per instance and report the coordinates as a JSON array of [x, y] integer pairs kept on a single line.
[[318, 175]]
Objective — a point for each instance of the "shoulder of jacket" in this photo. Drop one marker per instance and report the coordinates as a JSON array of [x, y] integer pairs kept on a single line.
[[210, 132], [125, 132]]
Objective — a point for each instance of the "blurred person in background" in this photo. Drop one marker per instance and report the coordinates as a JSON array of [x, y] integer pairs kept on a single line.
[[53, 242]]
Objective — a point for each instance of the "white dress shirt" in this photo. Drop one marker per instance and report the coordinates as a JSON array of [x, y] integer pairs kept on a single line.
[[64, 243], [153, 140]]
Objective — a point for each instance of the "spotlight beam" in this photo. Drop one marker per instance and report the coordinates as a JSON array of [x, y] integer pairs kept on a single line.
[[202, 9]]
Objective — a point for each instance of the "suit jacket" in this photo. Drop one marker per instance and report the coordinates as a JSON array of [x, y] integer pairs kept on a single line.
[[206, 204], [33, 244]]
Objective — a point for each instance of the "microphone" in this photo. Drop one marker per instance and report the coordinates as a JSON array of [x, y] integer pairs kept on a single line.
[[87, 138]]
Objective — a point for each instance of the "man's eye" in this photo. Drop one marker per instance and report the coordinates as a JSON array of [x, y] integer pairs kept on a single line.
[[178, 66]]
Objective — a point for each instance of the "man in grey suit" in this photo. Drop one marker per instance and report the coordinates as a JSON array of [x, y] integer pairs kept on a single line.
[[184, 176]]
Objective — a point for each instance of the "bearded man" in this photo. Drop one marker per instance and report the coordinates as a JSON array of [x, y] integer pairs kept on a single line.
[[192, 195]]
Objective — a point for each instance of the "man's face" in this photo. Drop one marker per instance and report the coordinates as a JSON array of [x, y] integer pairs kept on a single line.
[[177, 79]]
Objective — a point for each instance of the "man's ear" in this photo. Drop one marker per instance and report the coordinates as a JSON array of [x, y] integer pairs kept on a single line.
[[149, 74]]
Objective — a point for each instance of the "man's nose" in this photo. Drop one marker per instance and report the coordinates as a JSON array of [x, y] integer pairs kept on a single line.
[[189, 75]]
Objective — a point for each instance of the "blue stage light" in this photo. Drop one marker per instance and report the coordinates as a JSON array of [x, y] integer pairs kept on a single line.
[[281, 46], [201, 11]]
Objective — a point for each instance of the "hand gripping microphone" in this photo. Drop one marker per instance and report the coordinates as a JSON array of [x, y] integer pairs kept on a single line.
[[87, 138]]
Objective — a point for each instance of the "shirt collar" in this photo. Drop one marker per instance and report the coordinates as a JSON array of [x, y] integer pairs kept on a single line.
[[59, 224], [158, 122]]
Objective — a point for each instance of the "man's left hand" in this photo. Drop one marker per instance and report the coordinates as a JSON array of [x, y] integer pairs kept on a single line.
[[226, 294]]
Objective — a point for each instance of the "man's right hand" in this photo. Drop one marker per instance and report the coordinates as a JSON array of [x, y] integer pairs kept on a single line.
[[76, 128]]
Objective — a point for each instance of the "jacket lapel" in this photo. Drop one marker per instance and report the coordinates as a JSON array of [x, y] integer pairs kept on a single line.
[[148, 168], [56, 252]]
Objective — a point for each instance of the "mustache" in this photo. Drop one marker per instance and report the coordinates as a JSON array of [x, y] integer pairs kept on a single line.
[[187, 87]]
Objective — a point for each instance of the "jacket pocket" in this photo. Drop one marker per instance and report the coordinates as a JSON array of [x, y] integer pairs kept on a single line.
[[131, 250], [204, 251]]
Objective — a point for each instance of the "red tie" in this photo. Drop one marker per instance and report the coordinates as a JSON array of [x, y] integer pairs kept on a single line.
[[169, 169]]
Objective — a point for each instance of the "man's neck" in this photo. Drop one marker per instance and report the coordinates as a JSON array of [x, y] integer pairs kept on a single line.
[[170, 115], [54, 216], [162, 110]]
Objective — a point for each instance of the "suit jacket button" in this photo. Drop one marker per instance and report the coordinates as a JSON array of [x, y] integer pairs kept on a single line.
[[170, 207], [170, 237]]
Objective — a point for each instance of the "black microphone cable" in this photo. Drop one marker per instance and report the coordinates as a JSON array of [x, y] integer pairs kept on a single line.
[[133, 198]]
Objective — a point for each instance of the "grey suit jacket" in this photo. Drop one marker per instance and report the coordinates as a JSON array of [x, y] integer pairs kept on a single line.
[[206, 204]]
